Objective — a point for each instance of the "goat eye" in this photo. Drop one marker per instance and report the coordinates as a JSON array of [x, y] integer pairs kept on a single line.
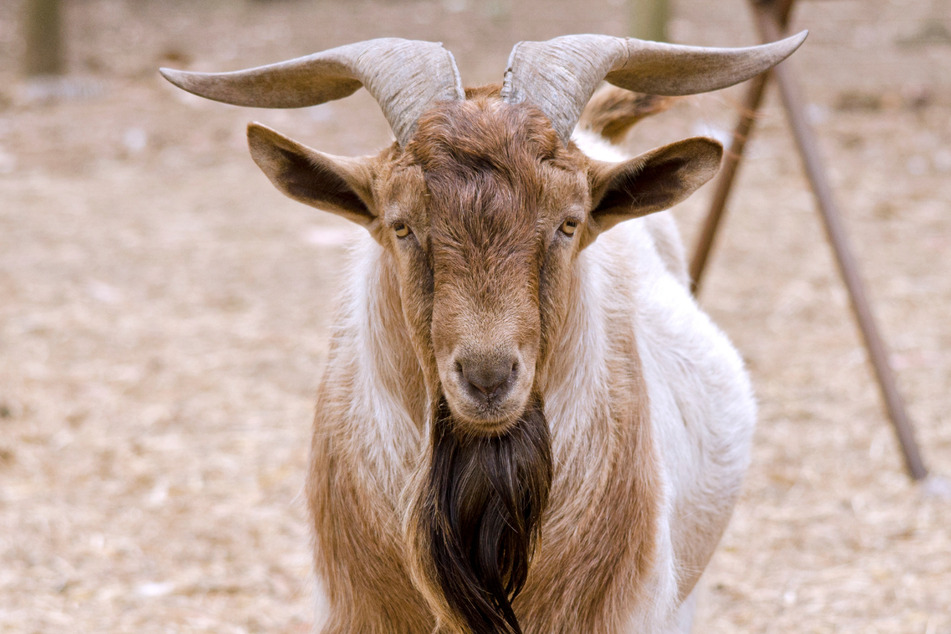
[[568, 227], [401, 230]]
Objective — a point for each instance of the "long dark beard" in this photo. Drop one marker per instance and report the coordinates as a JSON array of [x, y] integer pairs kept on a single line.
[[487, 495]]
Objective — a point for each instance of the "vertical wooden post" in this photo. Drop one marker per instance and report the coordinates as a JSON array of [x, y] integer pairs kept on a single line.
[[44, 38], [649, 19]]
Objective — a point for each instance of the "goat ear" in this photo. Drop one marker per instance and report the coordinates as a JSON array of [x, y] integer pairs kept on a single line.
[[651, 182], [337, 184]]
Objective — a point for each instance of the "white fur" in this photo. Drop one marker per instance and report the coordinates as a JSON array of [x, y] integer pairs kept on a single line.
[[701, 402]]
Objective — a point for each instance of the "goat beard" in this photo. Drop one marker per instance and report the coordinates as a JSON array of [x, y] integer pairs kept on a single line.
[[484, 501]]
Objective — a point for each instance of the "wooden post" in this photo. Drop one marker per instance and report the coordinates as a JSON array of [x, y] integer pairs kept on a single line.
[[649, 19], [795, 105], [771, 19], [731, 164], [44, 38]]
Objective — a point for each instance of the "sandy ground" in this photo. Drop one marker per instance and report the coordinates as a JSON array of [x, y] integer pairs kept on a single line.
[[163, 313]]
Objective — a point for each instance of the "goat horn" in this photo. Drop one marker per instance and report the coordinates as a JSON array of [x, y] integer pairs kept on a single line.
[[560, 75], [405, 77]]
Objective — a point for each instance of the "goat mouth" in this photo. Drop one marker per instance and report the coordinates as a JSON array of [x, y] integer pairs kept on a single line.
[[486, 416]]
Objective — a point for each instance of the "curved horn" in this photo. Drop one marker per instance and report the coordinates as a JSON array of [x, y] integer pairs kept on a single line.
[[560, 75], [405, 77]]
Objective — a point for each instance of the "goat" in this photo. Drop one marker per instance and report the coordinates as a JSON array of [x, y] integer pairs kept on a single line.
[[525, 424]]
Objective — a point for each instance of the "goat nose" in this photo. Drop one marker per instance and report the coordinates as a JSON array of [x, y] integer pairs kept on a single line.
[[487, 378]]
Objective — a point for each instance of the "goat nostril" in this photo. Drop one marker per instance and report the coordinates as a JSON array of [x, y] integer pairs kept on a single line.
[[487, 379]]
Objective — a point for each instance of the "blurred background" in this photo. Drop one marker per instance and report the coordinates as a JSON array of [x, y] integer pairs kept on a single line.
[[164, 311]]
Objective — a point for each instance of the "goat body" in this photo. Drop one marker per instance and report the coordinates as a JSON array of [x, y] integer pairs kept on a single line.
[[526, 424]]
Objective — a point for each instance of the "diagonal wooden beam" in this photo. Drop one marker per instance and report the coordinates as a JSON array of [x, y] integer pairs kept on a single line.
[[731, 164], [771, 19]]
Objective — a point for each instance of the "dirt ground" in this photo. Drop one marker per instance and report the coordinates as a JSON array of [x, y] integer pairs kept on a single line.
[[163, 312]]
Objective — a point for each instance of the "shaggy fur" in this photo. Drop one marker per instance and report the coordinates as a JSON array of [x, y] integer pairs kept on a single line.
[[484, 501]]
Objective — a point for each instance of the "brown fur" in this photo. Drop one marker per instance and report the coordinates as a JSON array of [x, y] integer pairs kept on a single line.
[[485, 166]]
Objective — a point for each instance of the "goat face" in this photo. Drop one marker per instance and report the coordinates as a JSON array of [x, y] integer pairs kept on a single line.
[[483, 212], [503, 201]]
